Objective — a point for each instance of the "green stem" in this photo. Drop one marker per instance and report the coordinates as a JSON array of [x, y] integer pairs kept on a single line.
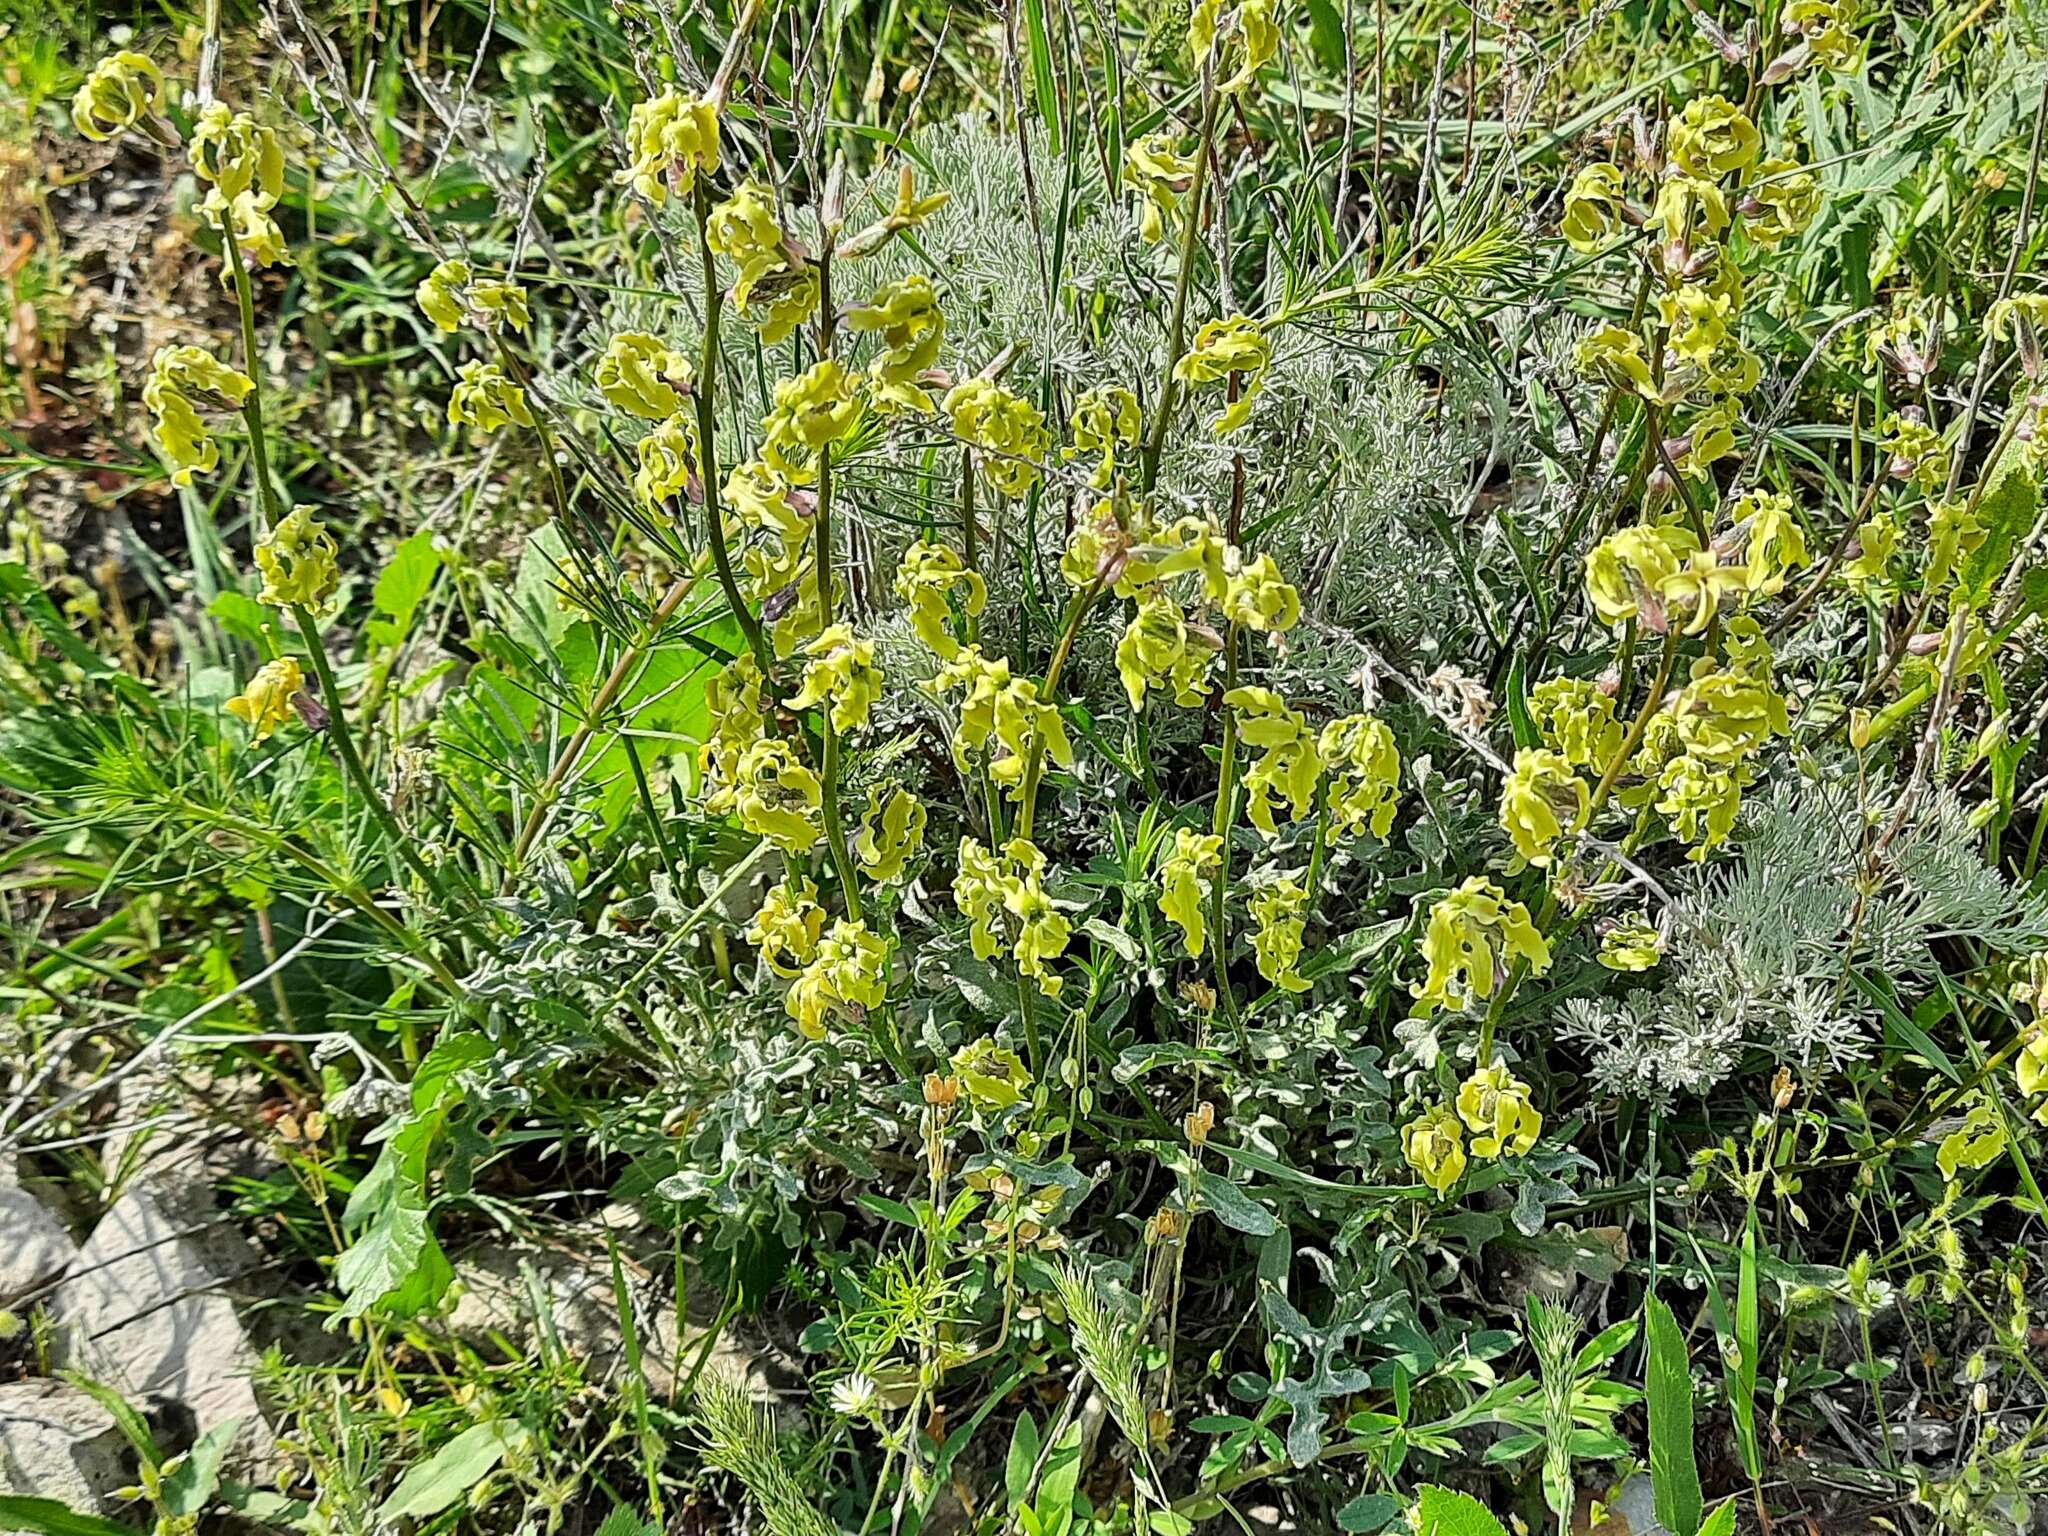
[[1226, 817], [704, 397], [1176, 330], [252, 408]]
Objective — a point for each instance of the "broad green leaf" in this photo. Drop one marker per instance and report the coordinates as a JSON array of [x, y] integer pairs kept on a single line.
[[1368, 1512], [1674, 1474], [1446, 1512], [1236, 1209], [1021, 1462], [446, 1476], [53, 1517], [1721, 1522], [403, 586], [190, 1488]]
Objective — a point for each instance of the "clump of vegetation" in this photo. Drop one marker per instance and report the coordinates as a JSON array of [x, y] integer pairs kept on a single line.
[[1266, 768]]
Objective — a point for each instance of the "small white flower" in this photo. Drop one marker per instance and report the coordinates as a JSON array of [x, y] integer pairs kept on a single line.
[[856, 1397]]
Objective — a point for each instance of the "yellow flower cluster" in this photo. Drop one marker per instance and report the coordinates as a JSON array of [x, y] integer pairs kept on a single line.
[[1698, 750], [907, 315], [1009, 430], [1001, 718], [120, 93], [673, 139], [452, 293], [666, 460], [1472, 935], [788, 926], [1160, 649], [1105, 419], [486, 399], [267, 702], [891, 833], [1494, 1106], [734, 699], [176, 375], [777, 288], [812, 411], [643, 376], [1576, 720], [1239, 37], [1365, 775], [1155, 168], [1223, 348], [777, 797], [1010, 891], [840, 677], [298, 562], [1660, 575], [244, 167], [1279, 908], [2030, 1066], [1542, 800], [1184, 876], [848, 974], [1288, 763], [1631, 944], [929, 578]]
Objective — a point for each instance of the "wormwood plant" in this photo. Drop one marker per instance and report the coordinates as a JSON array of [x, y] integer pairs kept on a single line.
[[1204, 803]]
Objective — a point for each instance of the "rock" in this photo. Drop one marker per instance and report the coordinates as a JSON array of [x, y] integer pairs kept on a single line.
[[1635, 1502], [38, 1245], [146, 1307], [57, 1443]]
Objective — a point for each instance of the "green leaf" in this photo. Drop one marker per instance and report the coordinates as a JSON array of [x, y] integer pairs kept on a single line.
[[1368, 1512], [1446, 1512], [402, 587], [1062, 1479], [134, 1428], [446, 1476], [1721, 1522], [1674, 1473], [2006, 511], [1021, 1462], [624, 1522], [53, 1517], [1236, 1209], [191, 1488]]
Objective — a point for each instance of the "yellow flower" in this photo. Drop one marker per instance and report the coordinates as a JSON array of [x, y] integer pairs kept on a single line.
[[176, 374], [927, 580], [1257, 598], [1009, 430], [120, 92], [1688, 211], [1709, 438], [1955, 530], [1278, 909], [245, 219], [1104, 420], [1877, 540], [231, 152], [890, 833], [1494, 1104], [1701, 798], [667, 460], [671, 139], [743, 229], [643, 376], [1776, 544], [1539, 793], [1006, 710], [486, 399], [1158, 649], [1781, 201], [1726, 715], [1288, 763], [978, 893], [1632, 944], [848, 974], [1244, 35], [1635, 572], [1616, 356], [983, 886], [2030, 1067], [1697, 322], [1365, 775], [787, 928], [1592, 207], [297, 559], [440, 294], [1976, 1143], [1713, 137], [993, 1075], [733, 699], [1187, 546], [777, 797], [1916, 451], [1472, 934], [1042, 930], [1576, 720], [267, 702], [1822, 27], [812, 411], [1183, 883], [908, 316], [1157, 170], [842, 677], [1434, 1146], [1222, 348]]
